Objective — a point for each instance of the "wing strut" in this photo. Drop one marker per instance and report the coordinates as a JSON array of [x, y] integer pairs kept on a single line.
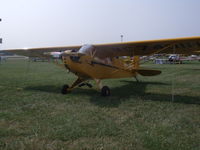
[[173, 77], [162, 49]]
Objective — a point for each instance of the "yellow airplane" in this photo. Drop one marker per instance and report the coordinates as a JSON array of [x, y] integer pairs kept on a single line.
[[106, 61]]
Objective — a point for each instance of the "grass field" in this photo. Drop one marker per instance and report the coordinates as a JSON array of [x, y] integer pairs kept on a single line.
[[141, 116]]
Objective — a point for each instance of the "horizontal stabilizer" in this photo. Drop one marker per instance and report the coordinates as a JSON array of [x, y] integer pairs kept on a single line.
[[147, 72]]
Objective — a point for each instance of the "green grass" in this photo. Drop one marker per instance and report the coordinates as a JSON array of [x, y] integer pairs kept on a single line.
[[34, 115]]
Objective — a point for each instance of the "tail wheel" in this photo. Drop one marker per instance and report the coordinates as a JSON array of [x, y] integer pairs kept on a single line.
[[65, 89], [105, 91]]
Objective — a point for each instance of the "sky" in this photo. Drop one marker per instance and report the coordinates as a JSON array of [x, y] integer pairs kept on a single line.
[[42, 23]]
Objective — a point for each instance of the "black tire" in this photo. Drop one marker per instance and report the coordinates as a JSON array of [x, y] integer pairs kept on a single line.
[[65, 89], [105, 91]]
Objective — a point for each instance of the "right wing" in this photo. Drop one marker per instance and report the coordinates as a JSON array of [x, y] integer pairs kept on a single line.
[[40, 52]]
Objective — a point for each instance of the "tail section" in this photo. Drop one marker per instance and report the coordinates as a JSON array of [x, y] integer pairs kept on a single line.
[[148, 72], [143, 72]]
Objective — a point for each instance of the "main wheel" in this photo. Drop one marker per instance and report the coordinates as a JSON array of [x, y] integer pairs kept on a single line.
[[105, 91], [65, 89]]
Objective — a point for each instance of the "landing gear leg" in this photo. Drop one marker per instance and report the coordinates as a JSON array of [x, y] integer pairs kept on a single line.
[[66, 89], [99, 84], [105, 91], [136, 78]]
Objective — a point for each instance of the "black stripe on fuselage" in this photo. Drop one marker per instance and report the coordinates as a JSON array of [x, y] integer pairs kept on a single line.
[[102, 64]]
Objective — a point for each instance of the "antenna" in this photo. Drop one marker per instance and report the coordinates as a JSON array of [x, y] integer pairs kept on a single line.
[[0, 38], [122, 38]]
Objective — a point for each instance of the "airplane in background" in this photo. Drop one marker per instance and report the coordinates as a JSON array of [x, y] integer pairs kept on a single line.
[[105, 61]]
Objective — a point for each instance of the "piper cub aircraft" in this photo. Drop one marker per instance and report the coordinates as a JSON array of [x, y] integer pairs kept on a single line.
[[106, 61]]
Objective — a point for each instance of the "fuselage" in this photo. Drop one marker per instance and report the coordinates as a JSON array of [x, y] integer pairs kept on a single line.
[[91, 68]]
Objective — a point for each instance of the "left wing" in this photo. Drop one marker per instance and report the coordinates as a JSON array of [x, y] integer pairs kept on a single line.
[[190, 45]]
